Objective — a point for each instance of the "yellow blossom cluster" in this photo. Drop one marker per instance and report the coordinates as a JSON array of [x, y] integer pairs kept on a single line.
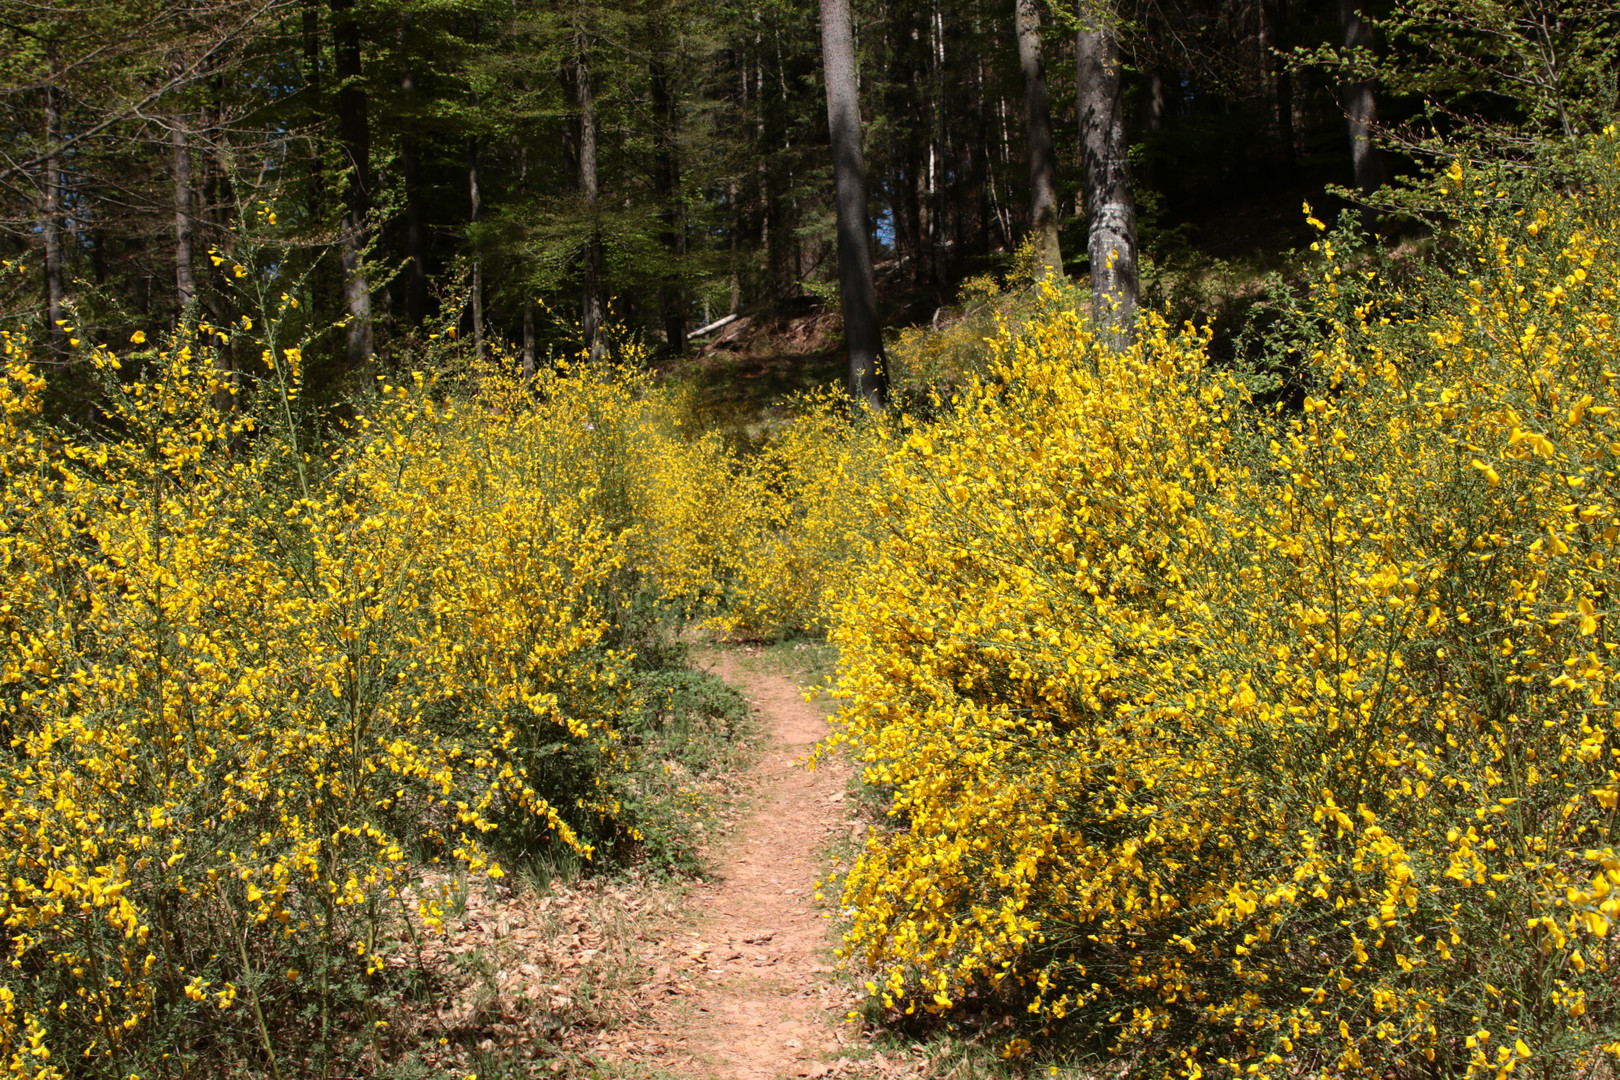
[[1267, 730], [265, 698]]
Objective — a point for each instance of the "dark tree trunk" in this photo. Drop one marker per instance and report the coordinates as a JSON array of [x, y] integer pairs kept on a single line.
[[667, 186], [51, 225], [185, 279], [1043, 204], [591, 306], [1152, 125], [411, 173], [1110, 207], [354, 128], [1284, 77], [1361, 111], [861, 334]]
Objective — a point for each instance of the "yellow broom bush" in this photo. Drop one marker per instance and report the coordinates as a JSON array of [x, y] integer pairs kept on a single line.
[[1232, 738], [255, 692]]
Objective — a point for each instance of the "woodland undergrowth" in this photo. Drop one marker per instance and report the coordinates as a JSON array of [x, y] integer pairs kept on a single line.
[[1250, 719]]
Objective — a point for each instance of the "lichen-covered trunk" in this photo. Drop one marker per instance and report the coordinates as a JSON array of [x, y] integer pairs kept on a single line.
[[1043, 204], [862, 339], [1110, 205]]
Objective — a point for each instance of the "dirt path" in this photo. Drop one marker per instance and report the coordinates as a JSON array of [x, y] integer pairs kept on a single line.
[[746, 994]]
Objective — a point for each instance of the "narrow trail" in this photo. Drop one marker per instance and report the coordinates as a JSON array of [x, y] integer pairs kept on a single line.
[[747, 992]]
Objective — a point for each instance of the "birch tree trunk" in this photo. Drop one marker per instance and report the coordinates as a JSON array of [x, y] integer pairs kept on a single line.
[[1043, 204], [1361, 112], [354, 129], [862, 338], [1110, 206]]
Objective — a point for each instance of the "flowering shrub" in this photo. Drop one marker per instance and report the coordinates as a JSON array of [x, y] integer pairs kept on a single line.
[[1258, 740], [265, 700]]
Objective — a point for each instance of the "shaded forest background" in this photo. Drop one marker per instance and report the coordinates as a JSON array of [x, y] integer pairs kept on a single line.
[[515, 170]]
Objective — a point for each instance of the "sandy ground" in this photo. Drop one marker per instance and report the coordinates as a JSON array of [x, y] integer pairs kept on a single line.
[[747, 992]]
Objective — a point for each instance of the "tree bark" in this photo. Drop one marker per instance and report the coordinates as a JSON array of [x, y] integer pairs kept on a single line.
[[1043, 204], [51, 225], [354, 128], [667, 186], [862, 338], [1152, 125], [528, 339], [591, 305], [1361, 111], [476, 200], [185, 278], [1284, 79], [1110, 206], [937, 146], [411, 173]]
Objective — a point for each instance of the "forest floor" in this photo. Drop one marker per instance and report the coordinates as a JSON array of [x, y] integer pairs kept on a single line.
[[726, 976], [745, 990]]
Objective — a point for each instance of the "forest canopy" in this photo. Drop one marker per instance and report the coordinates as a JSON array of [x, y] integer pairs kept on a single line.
[[667, 161]]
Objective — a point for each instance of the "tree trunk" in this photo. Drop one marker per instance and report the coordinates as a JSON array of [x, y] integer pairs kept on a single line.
[[667, 186], [411, 173], [861, 335], [528, 339], [937, 146], [1284, 78], [1043, 204], [591, 300], [355, 130], [477, 264], [1110, 207], [185, 279], [51, 226], [1361, 111], [1152, 125]]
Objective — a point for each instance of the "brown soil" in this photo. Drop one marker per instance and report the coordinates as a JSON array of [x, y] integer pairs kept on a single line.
[[747, 992]]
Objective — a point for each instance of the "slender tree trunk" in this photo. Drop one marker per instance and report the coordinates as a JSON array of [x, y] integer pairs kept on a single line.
[[354, 128], [937, 145], [1284, 83], [528, 339], [591, 316], [1043, 204], [1110, 206], [51, 225], [476, 201], [185, 279], [667, 186], [1361, 111], [861, 334], [1152, 125], [735, 264], [411, 173]]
